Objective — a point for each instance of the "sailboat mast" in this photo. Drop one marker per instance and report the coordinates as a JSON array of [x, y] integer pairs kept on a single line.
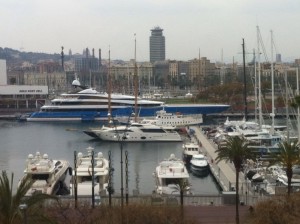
[[199, 70], [135, 82], [255, 86], [259, 80], [298, 109], [109, 89], [272, 80], [286, 106], [245, 82]]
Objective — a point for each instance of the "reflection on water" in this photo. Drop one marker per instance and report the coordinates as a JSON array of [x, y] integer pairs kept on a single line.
[[60, 140], [4, 158]]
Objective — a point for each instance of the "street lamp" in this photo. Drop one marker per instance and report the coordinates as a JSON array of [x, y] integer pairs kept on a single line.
[[23, 208], [121, 140]]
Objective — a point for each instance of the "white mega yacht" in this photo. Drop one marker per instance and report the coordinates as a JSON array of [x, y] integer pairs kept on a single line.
[[49, 175], [82, 174], [135, 132]]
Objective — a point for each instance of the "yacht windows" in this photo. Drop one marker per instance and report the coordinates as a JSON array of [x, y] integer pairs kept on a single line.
[[158, 130]]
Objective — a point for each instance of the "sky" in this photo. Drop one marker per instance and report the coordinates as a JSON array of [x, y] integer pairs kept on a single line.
[[215, 28]]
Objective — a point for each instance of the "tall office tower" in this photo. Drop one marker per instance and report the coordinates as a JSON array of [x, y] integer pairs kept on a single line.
[[157, 45], [278, 58]]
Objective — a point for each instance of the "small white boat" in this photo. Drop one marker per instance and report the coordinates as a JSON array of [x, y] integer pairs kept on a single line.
[[199, 165], [168, 174], [190, 149], [83, 174], [136, 132], [49, 175]]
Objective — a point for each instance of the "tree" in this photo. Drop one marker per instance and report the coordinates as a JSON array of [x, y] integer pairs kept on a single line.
[[235, 150], [9, 202], [288, 156], [182, 186], [296, 102]]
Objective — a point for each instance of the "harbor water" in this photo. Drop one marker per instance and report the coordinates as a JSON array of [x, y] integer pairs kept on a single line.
[[60, 140]]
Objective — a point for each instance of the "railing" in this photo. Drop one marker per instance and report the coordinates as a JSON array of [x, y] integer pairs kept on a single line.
[[161, 200]]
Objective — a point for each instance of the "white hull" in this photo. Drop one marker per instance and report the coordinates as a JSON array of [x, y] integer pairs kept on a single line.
[[199, 165], [164, 119], [49, 175], [190, 149], [135, 133], [83, 174], [168, 174]]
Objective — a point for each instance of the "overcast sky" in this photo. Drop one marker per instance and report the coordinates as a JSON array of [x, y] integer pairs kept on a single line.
[[213, 26]]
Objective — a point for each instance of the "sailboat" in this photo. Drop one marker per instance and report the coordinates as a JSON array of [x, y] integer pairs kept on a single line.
[[264, 139]]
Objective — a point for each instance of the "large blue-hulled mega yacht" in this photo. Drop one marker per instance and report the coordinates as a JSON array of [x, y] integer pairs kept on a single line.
[[87, 104]]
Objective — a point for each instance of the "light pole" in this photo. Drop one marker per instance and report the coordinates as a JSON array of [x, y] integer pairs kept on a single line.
[[23, 208], [122, 189], [93, 177], [74, 178], [121, 140]]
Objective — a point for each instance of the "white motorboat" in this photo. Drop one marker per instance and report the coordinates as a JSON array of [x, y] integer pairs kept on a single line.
[[168, 175], [190, 149], [49, 175], [199, 165], [83, 174], [135, 132]]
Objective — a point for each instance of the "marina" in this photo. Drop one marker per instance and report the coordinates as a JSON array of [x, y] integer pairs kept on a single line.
[[60, 140], [140, 160]]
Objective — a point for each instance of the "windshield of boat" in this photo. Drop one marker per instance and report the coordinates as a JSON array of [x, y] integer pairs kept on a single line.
[[40, 176], [167, 181], [199, 158]]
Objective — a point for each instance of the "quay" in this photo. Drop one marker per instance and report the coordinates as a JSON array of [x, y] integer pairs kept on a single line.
[[224, 172]]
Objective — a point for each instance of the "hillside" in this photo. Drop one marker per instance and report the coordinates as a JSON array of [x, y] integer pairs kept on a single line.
[[14, 57]]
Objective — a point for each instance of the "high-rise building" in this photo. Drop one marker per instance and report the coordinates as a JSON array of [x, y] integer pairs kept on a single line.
[[278, 58], [157, 45]]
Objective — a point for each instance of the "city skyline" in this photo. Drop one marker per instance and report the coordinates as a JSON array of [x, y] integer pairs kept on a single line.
[[213, 28]]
